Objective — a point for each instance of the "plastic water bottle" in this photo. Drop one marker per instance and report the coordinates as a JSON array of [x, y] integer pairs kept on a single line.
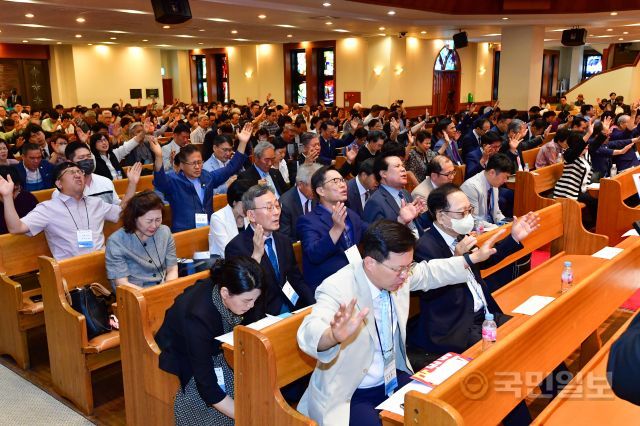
[[559, 159], [119, 174], [489, 332], [614, 170], [567, 277], [526, 167], [478, 226]]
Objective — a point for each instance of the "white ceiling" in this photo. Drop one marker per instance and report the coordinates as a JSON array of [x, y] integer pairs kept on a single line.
[[130, 22]]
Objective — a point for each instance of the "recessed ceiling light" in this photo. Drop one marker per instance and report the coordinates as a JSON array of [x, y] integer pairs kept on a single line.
[[234, 31], [625, 32], [218, 20], [59, 42], [423, 32], [609, 29], [289, 35], [391, 12], [285, 26], [262, 16], [163, 45], [200, 43], [202, 30], [29, 15], [166, 27], [341, 30], [613, 13], [185, 36], [25, 41], [113, 38], [90, 44], [492, 35], [381, 28], [132, 11], [327, 4], [240, 39], [81, 20], [328, 23], [78, 35], [504, 18], [145, 40], [620, 39]]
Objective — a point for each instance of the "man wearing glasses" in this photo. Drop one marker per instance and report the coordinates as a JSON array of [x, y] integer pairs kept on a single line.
[[72, 222], [190, 191], [285, 289], [440, 171], [451, 317], [357, 327]]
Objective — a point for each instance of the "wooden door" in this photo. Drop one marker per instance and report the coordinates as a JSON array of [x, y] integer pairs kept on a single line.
[[167, 91], [446, 92]]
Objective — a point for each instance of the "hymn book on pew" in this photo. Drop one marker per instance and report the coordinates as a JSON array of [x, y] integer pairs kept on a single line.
[[258, 325]]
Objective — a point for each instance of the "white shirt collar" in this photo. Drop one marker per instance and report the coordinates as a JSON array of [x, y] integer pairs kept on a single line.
[[361, 189], [446, 237], [303, 198], [375, 291]]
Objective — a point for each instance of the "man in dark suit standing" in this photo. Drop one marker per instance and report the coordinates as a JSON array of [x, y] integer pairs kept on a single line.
[[297, 201], [361, 187], [285, 290], [14, 98], [391, 201], [264, 155]]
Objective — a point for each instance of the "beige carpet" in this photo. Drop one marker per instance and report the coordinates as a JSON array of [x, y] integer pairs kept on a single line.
[[22, 403]]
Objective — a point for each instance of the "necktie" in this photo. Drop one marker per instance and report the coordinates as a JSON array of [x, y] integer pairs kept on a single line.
[[479, 301], [307, 206], [367, 194], [411, 225], [385, 333], [490, 205], [268, 245], [454, 152]]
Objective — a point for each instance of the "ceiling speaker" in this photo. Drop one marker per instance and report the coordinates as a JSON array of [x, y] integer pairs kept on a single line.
[[460, 40], [574, 37], [171, 11]]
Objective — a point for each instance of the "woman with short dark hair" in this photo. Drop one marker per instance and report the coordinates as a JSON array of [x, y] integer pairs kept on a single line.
[[143, 251], [208, 309], [23, 200]]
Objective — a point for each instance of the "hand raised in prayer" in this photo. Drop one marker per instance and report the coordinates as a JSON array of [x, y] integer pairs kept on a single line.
[[346, 321], [352, 152], [339, 216], [6, 186], [134, 174], [524, 225], [258, 243], [155, 147], [465, 245], [409, 211]]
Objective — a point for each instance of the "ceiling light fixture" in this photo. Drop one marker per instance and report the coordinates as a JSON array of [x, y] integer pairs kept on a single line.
[[145, 40], [90, 44], [504, 18], [423, 32], [625, 32], [240, 39], [614, 14], [185, 36], [117, 32], [29, 15], [78, 35], [285, 26], [381, 28], [609, 29], [80, 20], [132, 11], [32, 25], [202, 30], [327, 4], [234, 31], [163, 45], [339, 30], [201, 44], [113, 38], [218, 20], [328, 23], [25, 41], [262, 16], [492, 35], [166, 27], [382, 34], [289, 35], [59, 42], [620, 39], [391, 12]]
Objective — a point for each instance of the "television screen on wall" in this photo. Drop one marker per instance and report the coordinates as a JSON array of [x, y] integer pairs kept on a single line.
[[593, 65]]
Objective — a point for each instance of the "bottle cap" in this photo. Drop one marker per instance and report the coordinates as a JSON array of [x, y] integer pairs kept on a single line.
[[488, 317], [567, 263]]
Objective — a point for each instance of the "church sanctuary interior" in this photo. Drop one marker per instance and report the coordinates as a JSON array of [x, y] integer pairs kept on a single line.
[[308, 212]]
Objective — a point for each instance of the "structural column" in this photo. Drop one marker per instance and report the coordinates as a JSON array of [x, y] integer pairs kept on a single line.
[[521, 66]]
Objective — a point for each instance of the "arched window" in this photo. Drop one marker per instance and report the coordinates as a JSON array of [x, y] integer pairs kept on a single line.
[[447, 60]]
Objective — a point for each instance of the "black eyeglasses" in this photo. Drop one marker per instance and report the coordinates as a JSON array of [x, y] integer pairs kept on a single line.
[[463, 213], [449, 174], [335, 180]]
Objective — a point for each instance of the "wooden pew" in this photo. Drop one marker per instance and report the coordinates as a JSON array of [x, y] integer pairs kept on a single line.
[[264, 361], [458, 179], [71, 354], [529, 185], [588, 398], [148, 391], [219, 201], [529, 157], [614, 216], [477, 394], [43, 194], [146, 183], [144, 167]]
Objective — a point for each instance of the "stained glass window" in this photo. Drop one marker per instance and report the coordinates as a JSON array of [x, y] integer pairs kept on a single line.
[[447, 60]]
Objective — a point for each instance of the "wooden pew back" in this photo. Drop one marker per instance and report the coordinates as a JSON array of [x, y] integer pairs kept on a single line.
[[529, 185], [149, 391], [146, 183], [43, 194], [458, 179], [614, 216], [219, 201], [485, 390], [529, 157], [264, 361]]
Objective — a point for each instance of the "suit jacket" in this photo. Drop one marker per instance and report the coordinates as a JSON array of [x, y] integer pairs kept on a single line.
[[11, 103], [320, 256], [291, 211], [624, 364], [469, 143], [242, 245], [252, 175], [423, 189], [46, 173], [446, 314], [628, 159], [354, 202], [476, 190], [328, 147], [472, 160], [340, 369], [382, 205]]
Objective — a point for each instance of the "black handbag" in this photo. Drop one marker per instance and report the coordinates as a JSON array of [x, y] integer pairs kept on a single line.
[[92, 301]]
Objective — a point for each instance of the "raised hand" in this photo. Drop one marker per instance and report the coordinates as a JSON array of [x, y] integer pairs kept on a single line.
[[82, 136], [606, 125], [352, 152], [339, 216], [148, 126], [346, 321], [524, 225], [245, 134], [466, 244], [486, 250], [354, 124], [514, 142], [258, 243], [155, 147], [408, 211], [6, 186]]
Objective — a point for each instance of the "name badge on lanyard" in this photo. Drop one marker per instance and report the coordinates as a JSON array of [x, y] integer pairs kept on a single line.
[[390, 377], [291, 294], [85, 238], [201, 220], [220, 378]]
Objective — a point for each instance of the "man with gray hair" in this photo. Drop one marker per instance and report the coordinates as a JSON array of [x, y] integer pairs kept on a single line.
[[621, 137], [262, 171], [297, 201], [197, 136], [285, 290], [511, 144]]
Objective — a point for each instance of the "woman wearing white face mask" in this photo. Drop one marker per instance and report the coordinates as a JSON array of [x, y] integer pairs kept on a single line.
[[451, 317], [58, 142]]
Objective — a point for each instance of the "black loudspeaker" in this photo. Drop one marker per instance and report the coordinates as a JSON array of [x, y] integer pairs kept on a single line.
[[171, 11], [460, 40], [574, 37]]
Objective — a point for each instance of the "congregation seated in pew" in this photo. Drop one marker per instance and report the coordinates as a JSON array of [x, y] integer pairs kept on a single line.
[[143, 251]]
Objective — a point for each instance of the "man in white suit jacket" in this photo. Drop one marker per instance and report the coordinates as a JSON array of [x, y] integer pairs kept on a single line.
[[486, 207], [342, 331]]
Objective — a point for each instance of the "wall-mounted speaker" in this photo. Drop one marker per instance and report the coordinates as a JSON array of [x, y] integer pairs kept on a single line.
[[574, 37], [171, 11], [460, 40]]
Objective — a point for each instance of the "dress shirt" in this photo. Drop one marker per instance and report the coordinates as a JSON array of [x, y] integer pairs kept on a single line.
[[166, 154], [362, 191], [375, 372], [197, 136], [266, 176], [303, 201], [284, 170], [476, 290], [60, 227]]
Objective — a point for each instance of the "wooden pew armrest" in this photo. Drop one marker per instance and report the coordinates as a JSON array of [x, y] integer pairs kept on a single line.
[[29, 307], [102, 343]]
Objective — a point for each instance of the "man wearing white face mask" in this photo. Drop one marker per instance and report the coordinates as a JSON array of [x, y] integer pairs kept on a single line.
[[451, 317]]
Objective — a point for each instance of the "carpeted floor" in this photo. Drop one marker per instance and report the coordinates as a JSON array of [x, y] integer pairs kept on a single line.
[[23, 403]]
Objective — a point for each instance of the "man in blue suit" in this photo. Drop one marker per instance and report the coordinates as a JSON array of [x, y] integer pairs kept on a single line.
[[626, 130], [190, 191], [360, 188], [285, 290], [391, 201], [297, 201], [35, 173], [471, 141], [623, 367], [445, 132], [328, 141], [329, 229], [476, 160]]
